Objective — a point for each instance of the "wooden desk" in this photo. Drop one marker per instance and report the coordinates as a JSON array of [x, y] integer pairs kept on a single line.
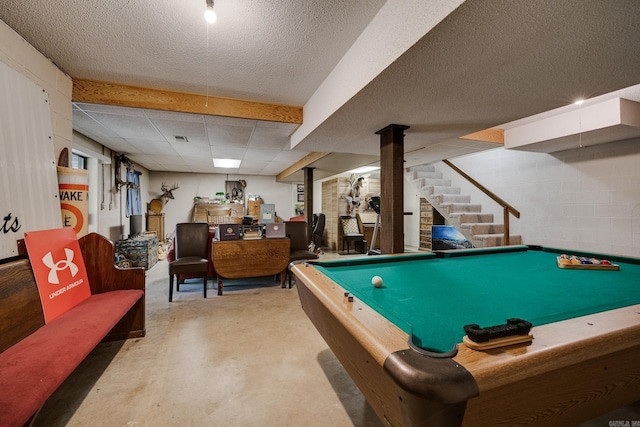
[[239, 259]]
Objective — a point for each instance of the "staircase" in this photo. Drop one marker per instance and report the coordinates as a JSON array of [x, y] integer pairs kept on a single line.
[[479, 228]]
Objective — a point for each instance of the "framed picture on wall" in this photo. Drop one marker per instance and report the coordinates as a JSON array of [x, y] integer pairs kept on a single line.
[[301, 197], [300, 188]]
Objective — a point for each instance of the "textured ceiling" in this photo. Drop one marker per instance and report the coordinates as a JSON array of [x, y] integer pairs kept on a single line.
[[275, 51], [488, 63]]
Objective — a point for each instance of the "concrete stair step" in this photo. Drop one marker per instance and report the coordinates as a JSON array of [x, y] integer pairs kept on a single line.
[[424, 174], [462, 217], [427, 182], [451, 198], [461, 207], [489, 240], [457, 208], [483, 228], [425, 168], [436, 189]]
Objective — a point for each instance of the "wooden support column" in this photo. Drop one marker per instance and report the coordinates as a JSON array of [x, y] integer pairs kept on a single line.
[[392, 189], [308, 201]]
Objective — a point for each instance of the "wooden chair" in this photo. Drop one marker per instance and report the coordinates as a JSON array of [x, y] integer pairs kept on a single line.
[[351, 232], [296, 231], [190, 253]]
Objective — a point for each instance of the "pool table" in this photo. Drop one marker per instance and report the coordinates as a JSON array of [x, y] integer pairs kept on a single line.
[[402, 342]]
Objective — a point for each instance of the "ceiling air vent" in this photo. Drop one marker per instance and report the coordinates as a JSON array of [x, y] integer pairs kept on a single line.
[[180, 138]]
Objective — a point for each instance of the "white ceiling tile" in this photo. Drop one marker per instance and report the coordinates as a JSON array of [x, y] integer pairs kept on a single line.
[[174, 115], [194, 131], [260, 156], [235, 136], [192, 150], [153, 147], [128, 126], [230, 121], [110, 109], [228, 152], [264, 137]]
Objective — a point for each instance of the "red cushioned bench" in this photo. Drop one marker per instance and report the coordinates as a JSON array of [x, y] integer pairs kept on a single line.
[[36, 358]]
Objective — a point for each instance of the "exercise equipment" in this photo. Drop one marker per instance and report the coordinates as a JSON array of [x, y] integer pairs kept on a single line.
[[374, 203]]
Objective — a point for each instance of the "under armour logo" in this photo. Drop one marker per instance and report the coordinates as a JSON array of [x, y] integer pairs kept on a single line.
[[60, 265]]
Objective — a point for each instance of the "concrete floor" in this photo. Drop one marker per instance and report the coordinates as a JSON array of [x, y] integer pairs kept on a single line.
[[248, 358]]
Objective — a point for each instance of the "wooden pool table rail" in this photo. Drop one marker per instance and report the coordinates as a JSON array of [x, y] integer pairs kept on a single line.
[[574, 370]]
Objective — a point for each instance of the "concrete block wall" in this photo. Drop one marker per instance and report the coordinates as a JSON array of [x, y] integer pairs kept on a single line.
[[583, 199]]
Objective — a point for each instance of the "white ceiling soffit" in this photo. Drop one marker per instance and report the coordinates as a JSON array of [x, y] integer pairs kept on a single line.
[[398, 25], [489, 63], [607, 121]]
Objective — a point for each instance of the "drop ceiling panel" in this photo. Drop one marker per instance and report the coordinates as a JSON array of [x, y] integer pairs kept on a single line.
[[88, 126], [231, 136], [228, 152], [259, 155], [275, 138], [120, 145], [194, 132], [186, 149], [128, 126], [167, 160], [109, 109], [154, 147], [230, 121]]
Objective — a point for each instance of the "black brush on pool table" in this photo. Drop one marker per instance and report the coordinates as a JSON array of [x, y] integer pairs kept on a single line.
[[515, 331]]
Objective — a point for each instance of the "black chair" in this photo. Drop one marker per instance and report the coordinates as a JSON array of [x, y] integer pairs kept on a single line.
[[318, 230], [351, 232], [297, 233], [190, 253]]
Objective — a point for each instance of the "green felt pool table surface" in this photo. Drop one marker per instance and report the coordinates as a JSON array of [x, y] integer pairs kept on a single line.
[[581, 363], [432, 297]]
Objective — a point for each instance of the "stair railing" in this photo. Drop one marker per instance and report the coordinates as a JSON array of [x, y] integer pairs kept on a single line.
[[506, 207]]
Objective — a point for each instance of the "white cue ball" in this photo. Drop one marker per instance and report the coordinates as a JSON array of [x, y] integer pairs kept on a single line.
[[376, 281]]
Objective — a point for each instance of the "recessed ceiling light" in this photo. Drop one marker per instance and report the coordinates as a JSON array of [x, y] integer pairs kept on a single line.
[[579, 101], [226, 163]]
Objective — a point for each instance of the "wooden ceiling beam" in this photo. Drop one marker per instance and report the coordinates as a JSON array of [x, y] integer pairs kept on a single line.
[[96, 92], [487, 135], [303, 162]]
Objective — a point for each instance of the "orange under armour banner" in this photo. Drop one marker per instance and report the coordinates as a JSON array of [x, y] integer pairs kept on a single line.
[[59, 270]]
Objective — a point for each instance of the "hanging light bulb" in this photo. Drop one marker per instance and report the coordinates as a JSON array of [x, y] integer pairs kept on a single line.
[[210, 14]]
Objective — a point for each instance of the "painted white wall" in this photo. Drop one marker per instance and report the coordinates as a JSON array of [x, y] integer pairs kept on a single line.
[[283, 195], [18, 54], [582, 199], [411, 222], [112, 221], [37, 124]]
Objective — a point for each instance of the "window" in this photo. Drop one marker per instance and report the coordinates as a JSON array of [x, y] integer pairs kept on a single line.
[[78, 162]]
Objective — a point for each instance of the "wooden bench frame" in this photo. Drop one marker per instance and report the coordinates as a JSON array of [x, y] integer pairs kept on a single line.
[[22, 324]]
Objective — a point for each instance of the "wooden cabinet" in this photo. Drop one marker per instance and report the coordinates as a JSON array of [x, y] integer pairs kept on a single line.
[[156, 223]]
